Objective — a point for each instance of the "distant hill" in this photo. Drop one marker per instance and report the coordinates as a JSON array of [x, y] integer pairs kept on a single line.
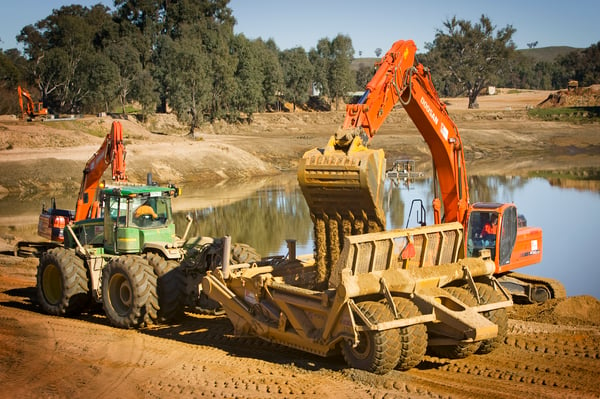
[[547, 54], [357, 63]]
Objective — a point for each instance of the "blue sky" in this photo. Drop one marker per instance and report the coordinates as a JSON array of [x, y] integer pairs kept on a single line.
[[370, 24]]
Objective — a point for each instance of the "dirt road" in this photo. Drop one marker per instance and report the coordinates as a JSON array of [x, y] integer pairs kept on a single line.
[[52, 357], [551, 351]]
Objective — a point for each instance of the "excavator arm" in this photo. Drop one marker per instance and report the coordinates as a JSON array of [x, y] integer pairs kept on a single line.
[[52, 221], [112, 151], [347, 168], [398, 80]]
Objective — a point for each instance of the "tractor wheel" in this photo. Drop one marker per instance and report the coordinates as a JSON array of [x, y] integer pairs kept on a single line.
[[460, 350], [129, 292], [243, 253], [62, 283], [498, 317], [376, 351], [413, 339], [208, 255], [170, 287], [240, 253]]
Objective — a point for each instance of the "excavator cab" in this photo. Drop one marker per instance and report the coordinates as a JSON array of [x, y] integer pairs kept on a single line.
[[492, 226]]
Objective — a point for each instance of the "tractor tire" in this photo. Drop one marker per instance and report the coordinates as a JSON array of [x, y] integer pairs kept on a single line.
[[170, 288], [498, 317], [413, 339], [129, 292], [460, 350], [243, 253], [62, 283], [376, 351], [208, 256]]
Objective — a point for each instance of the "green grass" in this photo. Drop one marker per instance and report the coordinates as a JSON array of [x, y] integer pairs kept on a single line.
[[571, 174], [567, 114]]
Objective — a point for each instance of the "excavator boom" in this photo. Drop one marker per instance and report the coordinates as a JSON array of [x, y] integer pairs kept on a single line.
[[52, 221], [111, 152]]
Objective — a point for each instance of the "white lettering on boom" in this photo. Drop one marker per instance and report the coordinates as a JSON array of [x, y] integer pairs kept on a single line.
[[432, 115]]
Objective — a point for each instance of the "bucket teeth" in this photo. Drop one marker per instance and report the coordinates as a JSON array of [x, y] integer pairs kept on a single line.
[[344, 193]]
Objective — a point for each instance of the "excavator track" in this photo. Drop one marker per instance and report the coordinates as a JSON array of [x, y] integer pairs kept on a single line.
[[556, 288]]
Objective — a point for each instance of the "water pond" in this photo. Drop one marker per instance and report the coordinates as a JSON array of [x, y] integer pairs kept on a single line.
[[275, 211]]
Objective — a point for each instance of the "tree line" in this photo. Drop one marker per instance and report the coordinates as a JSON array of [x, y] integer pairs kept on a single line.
[[183, 56]]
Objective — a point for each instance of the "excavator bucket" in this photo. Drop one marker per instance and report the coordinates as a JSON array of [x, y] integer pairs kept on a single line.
[[344, 192]]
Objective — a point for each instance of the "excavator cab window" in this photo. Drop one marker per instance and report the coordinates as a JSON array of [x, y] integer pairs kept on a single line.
[[508, 235], [482, 234]]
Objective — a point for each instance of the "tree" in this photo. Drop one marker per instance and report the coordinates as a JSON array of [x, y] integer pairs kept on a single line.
[[297, 75], [470, 56], [182, 68], [364, 74], [331, 62], [61, 51], [129, 68], [145, 91], [12, 73], [272, 85], [319, 58], [249, 75], [103, 84], [341, 77], [583, 66]]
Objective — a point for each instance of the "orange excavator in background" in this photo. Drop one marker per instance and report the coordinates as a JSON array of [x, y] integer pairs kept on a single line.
[[343, 182], [31, 109], [52, 221]]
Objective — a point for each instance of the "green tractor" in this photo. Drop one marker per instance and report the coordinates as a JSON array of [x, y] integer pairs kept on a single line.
[[130, 260]]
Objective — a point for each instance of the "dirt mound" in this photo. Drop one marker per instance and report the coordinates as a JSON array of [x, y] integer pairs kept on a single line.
[[577, 97], [573, 311]]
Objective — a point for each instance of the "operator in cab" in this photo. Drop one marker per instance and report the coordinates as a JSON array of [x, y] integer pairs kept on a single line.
[[490, 228], [145, 210]]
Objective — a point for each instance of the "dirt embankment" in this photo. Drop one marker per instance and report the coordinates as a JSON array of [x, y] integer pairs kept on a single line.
[[551, 351], [497, 138]]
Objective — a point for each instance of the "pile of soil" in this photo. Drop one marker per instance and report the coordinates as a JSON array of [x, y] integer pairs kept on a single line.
[[575, 97], [573, 311]]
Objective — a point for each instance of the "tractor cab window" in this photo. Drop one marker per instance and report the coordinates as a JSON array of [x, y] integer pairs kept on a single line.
[[117, 210], [150, 212], [483, 227]]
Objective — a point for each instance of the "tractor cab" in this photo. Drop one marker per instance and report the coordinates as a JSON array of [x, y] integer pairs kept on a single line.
[[137, 216], [133, 219]]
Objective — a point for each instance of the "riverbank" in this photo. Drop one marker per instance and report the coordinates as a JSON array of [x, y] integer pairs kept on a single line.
[[498, 138]]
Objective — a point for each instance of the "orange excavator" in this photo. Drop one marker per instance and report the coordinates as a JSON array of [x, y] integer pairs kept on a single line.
[[52, 221], [343, 182], [30, 109]]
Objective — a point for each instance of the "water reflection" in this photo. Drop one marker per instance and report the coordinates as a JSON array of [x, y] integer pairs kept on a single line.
[[567, 216]]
